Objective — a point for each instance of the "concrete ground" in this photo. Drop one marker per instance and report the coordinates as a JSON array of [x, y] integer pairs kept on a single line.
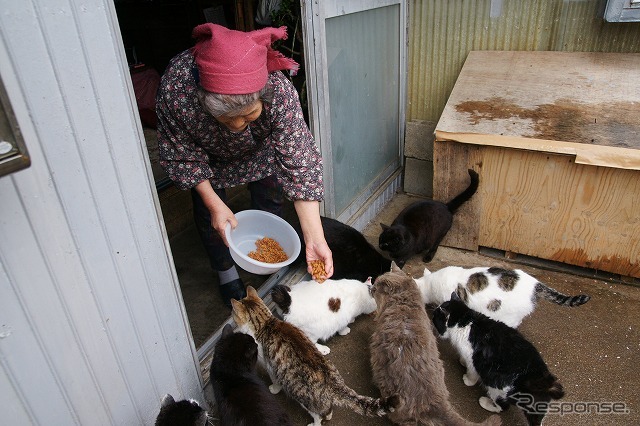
[[593, 349]]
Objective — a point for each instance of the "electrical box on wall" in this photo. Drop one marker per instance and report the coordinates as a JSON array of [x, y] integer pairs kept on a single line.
[[13, 152], [622, 11]]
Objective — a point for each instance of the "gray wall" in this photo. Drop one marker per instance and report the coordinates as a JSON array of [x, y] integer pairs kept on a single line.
[[92, 328]]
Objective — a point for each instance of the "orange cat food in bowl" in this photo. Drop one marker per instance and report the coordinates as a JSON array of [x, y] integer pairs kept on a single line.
[[268, 250], [258, 228]]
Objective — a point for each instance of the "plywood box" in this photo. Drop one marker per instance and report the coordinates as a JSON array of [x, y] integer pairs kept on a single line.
[[555, 137]]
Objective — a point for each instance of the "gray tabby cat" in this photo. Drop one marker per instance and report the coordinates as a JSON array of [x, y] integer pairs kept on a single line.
[[405, 358], [295, 364]]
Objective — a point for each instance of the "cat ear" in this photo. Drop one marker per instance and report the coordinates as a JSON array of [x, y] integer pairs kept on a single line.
[[235, 305], [454, 296], [394, 267], [167, 400], [384, 227], [427, 272], [252, 292], [227, 330]]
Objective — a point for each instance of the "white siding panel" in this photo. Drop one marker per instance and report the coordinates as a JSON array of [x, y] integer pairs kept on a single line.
[[97, 327], [14, 413]]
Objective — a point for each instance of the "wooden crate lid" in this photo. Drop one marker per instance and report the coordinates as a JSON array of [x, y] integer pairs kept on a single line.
[[585, 104]]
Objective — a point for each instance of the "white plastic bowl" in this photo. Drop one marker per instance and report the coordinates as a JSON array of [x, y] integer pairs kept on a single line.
[[254, 225]]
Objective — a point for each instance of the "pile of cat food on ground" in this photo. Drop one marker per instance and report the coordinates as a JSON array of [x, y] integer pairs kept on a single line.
[[318, 270], [268, 251]]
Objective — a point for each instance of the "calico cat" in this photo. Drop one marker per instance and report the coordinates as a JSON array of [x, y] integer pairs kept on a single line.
[[241, 396], [421, 226], [502, 294], [322, 310], [353, 256], [405, 358], [508, 365], [181, 413], [295, 364]]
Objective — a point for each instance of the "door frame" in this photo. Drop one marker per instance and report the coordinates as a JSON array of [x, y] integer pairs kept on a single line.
[[314, 14]]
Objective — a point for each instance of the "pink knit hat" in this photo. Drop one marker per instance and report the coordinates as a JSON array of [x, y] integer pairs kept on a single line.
[[236, 63]]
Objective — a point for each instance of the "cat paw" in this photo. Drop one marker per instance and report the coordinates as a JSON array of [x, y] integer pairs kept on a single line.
[[275, 388], [324, 350], [469, 380], [344, 331], [488, 404], [317, 420]]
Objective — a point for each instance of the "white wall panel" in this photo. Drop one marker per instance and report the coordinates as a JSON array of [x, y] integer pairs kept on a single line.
[[94, 330]]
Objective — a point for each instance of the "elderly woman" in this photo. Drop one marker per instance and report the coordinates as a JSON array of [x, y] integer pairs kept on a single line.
[[228, 116]]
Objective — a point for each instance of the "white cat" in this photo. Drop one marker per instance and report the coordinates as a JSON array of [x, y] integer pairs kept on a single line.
[[502, 294], [322, 310]]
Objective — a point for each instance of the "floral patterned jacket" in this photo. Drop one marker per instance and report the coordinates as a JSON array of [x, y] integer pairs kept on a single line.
[[193, 146]]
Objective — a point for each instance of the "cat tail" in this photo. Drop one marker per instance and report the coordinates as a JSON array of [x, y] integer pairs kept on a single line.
[[365, 405], [559, 298], [547, 385], [466, 194], [281, 297]]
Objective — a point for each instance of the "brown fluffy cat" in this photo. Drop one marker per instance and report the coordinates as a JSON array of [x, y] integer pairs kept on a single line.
[[405, 358], [295, 364]]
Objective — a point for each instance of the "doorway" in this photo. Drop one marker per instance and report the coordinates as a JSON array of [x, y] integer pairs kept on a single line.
[[354, 74], [356, 58], [152, 34]]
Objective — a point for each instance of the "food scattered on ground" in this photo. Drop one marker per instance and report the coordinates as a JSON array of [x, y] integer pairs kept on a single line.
[[268, 251], [318, 270]]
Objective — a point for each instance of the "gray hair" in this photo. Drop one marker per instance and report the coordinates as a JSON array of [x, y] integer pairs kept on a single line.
[[219, 105]]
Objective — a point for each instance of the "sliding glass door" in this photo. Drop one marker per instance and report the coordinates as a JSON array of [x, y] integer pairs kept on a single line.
[[355, 54]]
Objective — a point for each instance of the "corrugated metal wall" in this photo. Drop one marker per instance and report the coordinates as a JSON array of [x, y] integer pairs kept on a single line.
[[441, 34]]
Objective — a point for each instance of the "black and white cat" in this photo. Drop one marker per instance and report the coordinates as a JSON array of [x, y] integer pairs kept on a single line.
[[507, 364], [421, 226], [241, 396], [353, 256], [322, 310], [502, 294], [186, 412]]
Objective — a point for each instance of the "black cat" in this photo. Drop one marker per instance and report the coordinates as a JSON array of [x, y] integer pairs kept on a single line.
[[181, 413], [507, 364], [421, 226], [353, 256], [241, 396]]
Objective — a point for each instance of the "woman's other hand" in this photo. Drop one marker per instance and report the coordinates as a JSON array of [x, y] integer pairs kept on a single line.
[[220, 213]]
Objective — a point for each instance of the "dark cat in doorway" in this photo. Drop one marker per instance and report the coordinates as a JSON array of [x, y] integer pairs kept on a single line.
[[421, 226], [353, 256], [181, 413], [241, 396]]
